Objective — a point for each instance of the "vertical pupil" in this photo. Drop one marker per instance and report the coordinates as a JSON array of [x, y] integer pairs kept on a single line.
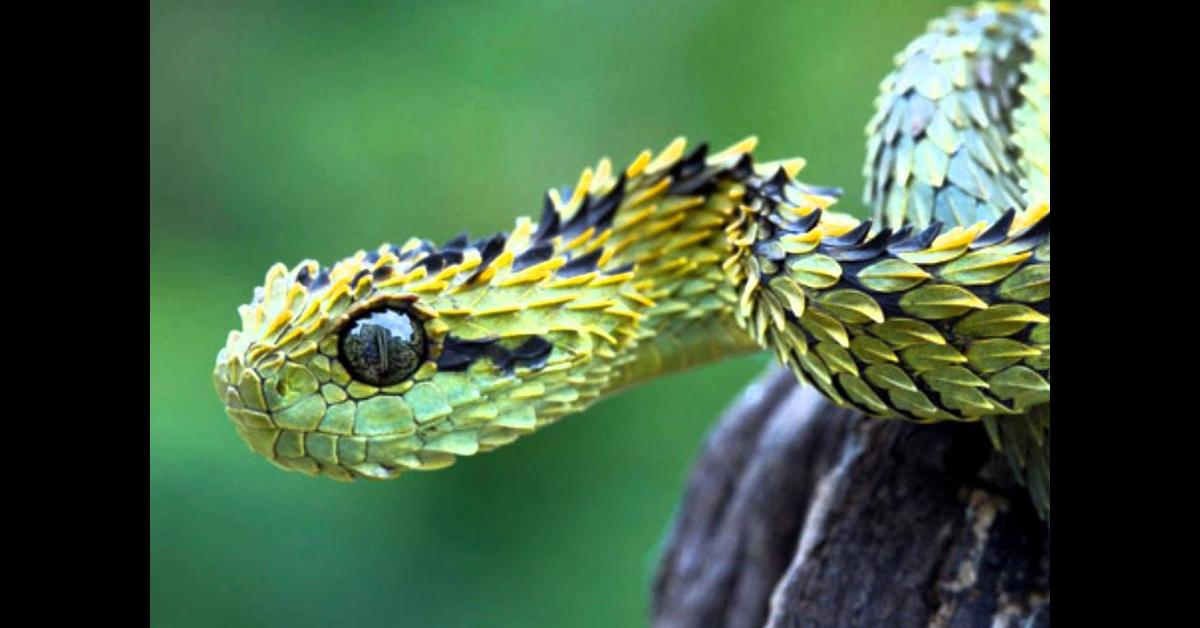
[[383, 347]]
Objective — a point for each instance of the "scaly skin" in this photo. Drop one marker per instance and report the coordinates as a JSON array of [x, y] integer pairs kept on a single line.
[[681, 260], [962, 133]]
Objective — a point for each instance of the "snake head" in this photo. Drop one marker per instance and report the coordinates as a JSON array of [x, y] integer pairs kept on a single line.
[[406, 357]]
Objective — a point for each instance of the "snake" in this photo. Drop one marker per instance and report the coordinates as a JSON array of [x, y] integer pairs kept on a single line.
[[937, 308]]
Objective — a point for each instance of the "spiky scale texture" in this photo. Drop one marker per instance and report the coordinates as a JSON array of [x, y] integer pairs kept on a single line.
[[618, 281], [962, 133], [941, 143], [925, 326], [1032, 118], [628, 278], [676, 260]]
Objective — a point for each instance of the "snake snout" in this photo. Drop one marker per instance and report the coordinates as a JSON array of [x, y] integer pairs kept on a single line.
[[304, 413]]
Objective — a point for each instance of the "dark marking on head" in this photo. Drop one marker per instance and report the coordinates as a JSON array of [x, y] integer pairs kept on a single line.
[[383, 272], [534, 347], [593, 212], [432, 262], [548, 224], [451, 360], [492, 248], [449, 254], [579, 221], [459, 354], [489, 250], [585, 263], [602, 213], [532, 353], [533, 255]]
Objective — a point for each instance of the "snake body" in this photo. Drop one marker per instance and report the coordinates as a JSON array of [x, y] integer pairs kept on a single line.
[[408, 356]]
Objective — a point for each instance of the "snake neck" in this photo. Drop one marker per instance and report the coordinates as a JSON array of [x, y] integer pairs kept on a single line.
[[683, 260], [939, 308], [927, 325], [663, 222]]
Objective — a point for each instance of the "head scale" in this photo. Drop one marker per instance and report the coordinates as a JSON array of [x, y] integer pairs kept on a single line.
[[406, 357]]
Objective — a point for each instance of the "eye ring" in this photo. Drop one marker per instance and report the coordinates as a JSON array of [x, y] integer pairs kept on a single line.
[[383, 345]]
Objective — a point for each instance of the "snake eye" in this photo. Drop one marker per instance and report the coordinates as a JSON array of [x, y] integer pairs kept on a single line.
[[382, 347]]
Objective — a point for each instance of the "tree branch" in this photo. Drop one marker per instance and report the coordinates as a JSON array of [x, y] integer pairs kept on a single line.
[[800, 513]]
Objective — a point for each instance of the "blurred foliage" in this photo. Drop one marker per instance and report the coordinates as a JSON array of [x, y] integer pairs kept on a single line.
[[286, 130]]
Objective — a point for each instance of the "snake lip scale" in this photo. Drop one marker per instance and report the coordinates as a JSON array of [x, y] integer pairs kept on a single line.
[[407, 357]]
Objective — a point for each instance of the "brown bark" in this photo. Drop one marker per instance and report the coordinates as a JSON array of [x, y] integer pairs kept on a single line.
[[800, 513]]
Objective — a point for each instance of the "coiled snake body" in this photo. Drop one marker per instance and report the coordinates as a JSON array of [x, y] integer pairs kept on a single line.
[[406, 357]]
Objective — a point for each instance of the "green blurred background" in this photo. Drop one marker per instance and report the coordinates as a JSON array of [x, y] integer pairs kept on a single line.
[[286, 130]]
